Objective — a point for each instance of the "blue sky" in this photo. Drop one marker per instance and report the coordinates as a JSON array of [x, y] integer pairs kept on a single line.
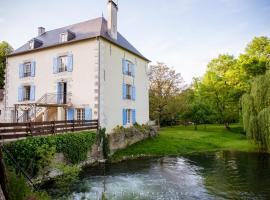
[[184, 34]]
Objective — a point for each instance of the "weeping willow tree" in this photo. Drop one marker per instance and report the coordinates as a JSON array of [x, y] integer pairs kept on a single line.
[[256, 111]]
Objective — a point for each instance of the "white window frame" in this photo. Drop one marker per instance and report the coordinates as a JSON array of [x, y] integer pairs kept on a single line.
[[128, 91], [63, 37], [129, 66], [129, 116], [27, 69], [31, 44], [62, 64], [26, 93], [80, 114]]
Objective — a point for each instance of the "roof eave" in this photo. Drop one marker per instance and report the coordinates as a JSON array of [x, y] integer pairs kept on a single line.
[[73, 41]]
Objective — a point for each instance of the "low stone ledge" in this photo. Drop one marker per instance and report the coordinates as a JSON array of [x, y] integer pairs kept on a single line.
[[121, 137]]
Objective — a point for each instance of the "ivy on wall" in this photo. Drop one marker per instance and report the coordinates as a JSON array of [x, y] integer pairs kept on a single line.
[[34, 153]]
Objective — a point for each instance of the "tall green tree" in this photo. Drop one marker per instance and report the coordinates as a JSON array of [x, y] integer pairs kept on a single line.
[[165, 85], [222, 87], [5, 49], [256, 58], [256, 102]]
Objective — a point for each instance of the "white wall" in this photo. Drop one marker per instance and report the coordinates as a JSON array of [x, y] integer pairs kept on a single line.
[[112, 103], [81, 82]]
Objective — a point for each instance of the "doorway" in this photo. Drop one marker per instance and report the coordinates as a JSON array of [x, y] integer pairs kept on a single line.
[[62, 93]]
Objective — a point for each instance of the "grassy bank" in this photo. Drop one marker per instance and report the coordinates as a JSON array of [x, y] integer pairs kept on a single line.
[[184, 140]]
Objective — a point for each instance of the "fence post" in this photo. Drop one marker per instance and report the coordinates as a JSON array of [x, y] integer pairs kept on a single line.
[[30, 129], [73, 126]]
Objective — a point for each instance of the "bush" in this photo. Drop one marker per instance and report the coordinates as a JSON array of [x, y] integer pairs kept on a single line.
[[18, 189], [34, 153]]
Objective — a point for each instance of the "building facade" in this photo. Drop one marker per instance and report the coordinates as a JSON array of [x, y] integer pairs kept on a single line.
[[83, 71]]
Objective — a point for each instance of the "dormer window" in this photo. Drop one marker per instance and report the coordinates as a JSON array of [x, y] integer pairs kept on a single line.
[[63, 37], [31, 44], [66, 36], [35, 43]]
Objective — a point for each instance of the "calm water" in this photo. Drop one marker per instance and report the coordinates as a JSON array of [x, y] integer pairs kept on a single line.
[[222, 175]]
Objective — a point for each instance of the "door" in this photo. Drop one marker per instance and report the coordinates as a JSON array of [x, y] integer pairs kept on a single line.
[[62, 93]]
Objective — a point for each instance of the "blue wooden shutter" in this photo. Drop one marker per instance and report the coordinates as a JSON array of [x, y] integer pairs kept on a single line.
[[70, 63], [33, 68], [124, 91], [70, 114], [133, 70], [133, 93], [55, 65], [20, 94], [133, 116], [88, 113], [124, 117], [21, 70], [123, 65], [32, 93]]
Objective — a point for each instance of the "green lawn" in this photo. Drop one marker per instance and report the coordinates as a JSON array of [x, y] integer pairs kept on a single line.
[[184, 140]]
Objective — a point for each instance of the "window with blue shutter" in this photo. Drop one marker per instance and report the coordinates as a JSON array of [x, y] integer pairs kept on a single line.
[[123, 65], [124, 117], [70, 63], [133, 116], [88, 113], [70, 114], [55, 65], [133, 93], [32, 93], [33, 68], [124, 91], [133, 70], [21, 70], [20, 94]]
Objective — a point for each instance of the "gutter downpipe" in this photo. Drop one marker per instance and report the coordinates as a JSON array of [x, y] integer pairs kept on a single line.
[[99, 99]]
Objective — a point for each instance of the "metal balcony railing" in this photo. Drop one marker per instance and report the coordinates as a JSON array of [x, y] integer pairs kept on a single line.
[[46, 100]]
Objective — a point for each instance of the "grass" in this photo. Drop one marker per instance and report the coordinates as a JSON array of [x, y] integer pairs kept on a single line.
[[185, 140]]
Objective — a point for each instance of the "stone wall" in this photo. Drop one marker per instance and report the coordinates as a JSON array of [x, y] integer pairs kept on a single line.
[[121, 137]]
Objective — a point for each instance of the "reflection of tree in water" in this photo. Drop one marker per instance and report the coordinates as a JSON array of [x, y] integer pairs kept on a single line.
[[236, 175]]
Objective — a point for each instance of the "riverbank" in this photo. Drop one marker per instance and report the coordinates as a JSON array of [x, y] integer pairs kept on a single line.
[[180, 140]]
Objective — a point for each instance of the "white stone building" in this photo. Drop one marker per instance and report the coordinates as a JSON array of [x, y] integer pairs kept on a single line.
[[82, 71]]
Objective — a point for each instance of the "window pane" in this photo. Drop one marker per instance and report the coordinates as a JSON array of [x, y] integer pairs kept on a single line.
[[62, 64]]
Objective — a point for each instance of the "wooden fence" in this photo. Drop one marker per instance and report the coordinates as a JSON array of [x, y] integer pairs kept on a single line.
[[22, 130]]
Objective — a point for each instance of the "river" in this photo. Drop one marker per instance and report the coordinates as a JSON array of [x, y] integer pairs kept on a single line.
[[219, 175]]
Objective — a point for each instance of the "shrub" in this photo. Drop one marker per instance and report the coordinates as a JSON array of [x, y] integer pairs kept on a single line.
[[18, 189], [34, 153]]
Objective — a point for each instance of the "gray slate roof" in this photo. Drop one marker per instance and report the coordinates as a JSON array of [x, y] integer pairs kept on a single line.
[[83, 30]]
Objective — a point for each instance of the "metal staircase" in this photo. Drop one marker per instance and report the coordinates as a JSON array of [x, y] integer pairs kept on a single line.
[[47, 100]]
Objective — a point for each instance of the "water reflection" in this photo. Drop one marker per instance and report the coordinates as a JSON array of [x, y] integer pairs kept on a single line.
[[222, 175]]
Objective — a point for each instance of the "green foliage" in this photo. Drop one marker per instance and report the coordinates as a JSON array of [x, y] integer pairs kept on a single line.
[[75, 146], [18, 189], [5, 49], [34, 153], [67, 179], [165, 85], [256, 111], [181, 140], [102, 139]]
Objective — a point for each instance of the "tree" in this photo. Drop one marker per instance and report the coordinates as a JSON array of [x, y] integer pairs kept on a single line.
[[256, 58], [5, 49], [165, 85], [256, 111], [222, 86]]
